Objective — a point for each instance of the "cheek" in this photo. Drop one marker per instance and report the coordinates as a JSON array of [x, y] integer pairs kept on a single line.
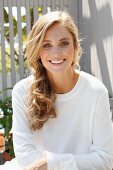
[[42, 55], [70, 51]]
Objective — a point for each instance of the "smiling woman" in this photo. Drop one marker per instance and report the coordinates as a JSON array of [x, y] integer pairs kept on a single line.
[[61, 116], [58, 41]]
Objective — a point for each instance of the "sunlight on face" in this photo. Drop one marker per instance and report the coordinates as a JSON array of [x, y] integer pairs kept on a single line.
[[57, 52]]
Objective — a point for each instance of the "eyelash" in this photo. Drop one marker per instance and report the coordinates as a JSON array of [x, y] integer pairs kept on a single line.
[[47, 45], [63, 44]]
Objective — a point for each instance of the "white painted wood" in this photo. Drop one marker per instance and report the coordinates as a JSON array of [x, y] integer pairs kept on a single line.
[[28, 19], [19, 26], [53, 5], [11, 39], [44, 6], [62, 5], [35, 10], [3, 55], [96, 27]]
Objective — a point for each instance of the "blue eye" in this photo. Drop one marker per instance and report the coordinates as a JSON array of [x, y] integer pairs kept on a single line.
[[46, 46]]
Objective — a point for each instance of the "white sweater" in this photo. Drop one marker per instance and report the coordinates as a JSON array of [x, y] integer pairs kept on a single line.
[[80, 138]]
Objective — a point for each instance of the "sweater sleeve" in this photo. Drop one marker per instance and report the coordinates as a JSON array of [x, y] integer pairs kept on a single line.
[[101, 152], [24, 146]]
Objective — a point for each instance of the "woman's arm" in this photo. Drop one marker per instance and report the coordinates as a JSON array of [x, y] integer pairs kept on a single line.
[[101, 152], [23, 138]]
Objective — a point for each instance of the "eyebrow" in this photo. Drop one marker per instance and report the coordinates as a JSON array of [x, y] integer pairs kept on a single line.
[[62, 39]]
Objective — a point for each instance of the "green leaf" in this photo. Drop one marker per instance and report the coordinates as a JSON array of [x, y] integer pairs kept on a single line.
[[23, 18], [6, 18], [24, 34], [14, 26]]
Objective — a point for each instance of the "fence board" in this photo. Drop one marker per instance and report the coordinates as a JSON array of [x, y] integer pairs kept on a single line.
[[5, 3], [49, 4], [65, 5], [57, 4], [44, 7], [14, 2], [53, 5], [35, 10], [3, 55], [94, 18], [73, 9], [19, 26], [40, 3], [11, 39], [61, 4], [28, 19]]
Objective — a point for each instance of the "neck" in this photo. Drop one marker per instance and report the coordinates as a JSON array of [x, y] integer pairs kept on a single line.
[[63, 83]]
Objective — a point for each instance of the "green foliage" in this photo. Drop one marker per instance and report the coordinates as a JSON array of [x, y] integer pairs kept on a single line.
[[15, 32], [6, 119]]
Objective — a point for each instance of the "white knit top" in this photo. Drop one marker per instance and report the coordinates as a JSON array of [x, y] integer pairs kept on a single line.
[[80, 138]]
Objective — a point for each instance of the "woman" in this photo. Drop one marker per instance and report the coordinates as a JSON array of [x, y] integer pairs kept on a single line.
[[61, 115]]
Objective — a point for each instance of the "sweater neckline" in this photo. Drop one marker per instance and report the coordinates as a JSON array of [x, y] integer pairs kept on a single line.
[[71, 93]]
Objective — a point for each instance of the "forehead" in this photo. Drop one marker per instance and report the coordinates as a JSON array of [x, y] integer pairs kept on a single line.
[[57, 31]]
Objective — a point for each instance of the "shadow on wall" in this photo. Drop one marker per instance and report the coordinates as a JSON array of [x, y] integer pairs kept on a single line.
[[96, 28]]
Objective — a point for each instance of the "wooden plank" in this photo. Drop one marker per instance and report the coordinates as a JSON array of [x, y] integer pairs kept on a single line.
[[49, 5], [40, 3], [31, 2], [53, 5], [57, 5], [5, 3], [61, 5], [65, 5], [11, 38], [35, 10], [28, 19], [13, 2], [19, 27], [3, 55], [44, 7], [23, 3], [73, 9]]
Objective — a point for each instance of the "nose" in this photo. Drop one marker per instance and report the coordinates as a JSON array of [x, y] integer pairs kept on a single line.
[[56, 51]]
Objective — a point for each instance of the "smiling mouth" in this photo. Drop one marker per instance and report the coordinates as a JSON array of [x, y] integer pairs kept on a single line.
[[57, 62]]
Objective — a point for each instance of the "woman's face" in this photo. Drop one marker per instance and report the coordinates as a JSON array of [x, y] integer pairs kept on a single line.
[[57, 51]]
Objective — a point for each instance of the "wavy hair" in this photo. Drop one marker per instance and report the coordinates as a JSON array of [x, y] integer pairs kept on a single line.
[[41, 98]]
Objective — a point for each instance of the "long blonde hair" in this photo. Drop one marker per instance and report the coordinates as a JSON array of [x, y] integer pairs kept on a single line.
[[41, 103]]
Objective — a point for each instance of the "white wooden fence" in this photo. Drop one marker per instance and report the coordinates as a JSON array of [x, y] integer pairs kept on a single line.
[[46, 5], [95, 22]]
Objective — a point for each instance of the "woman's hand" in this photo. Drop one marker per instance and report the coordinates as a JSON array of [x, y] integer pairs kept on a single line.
[[38, 165]]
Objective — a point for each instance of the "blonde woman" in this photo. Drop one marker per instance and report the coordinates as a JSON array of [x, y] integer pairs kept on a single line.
[[61, 118]]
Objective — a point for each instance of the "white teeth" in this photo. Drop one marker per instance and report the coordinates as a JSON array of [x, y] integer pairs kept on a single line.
[[57, 62]]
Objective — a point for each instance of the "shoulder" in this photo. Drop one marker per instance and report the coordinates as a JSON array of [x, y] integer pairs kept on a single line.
[[23, 85], [92, 83]]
